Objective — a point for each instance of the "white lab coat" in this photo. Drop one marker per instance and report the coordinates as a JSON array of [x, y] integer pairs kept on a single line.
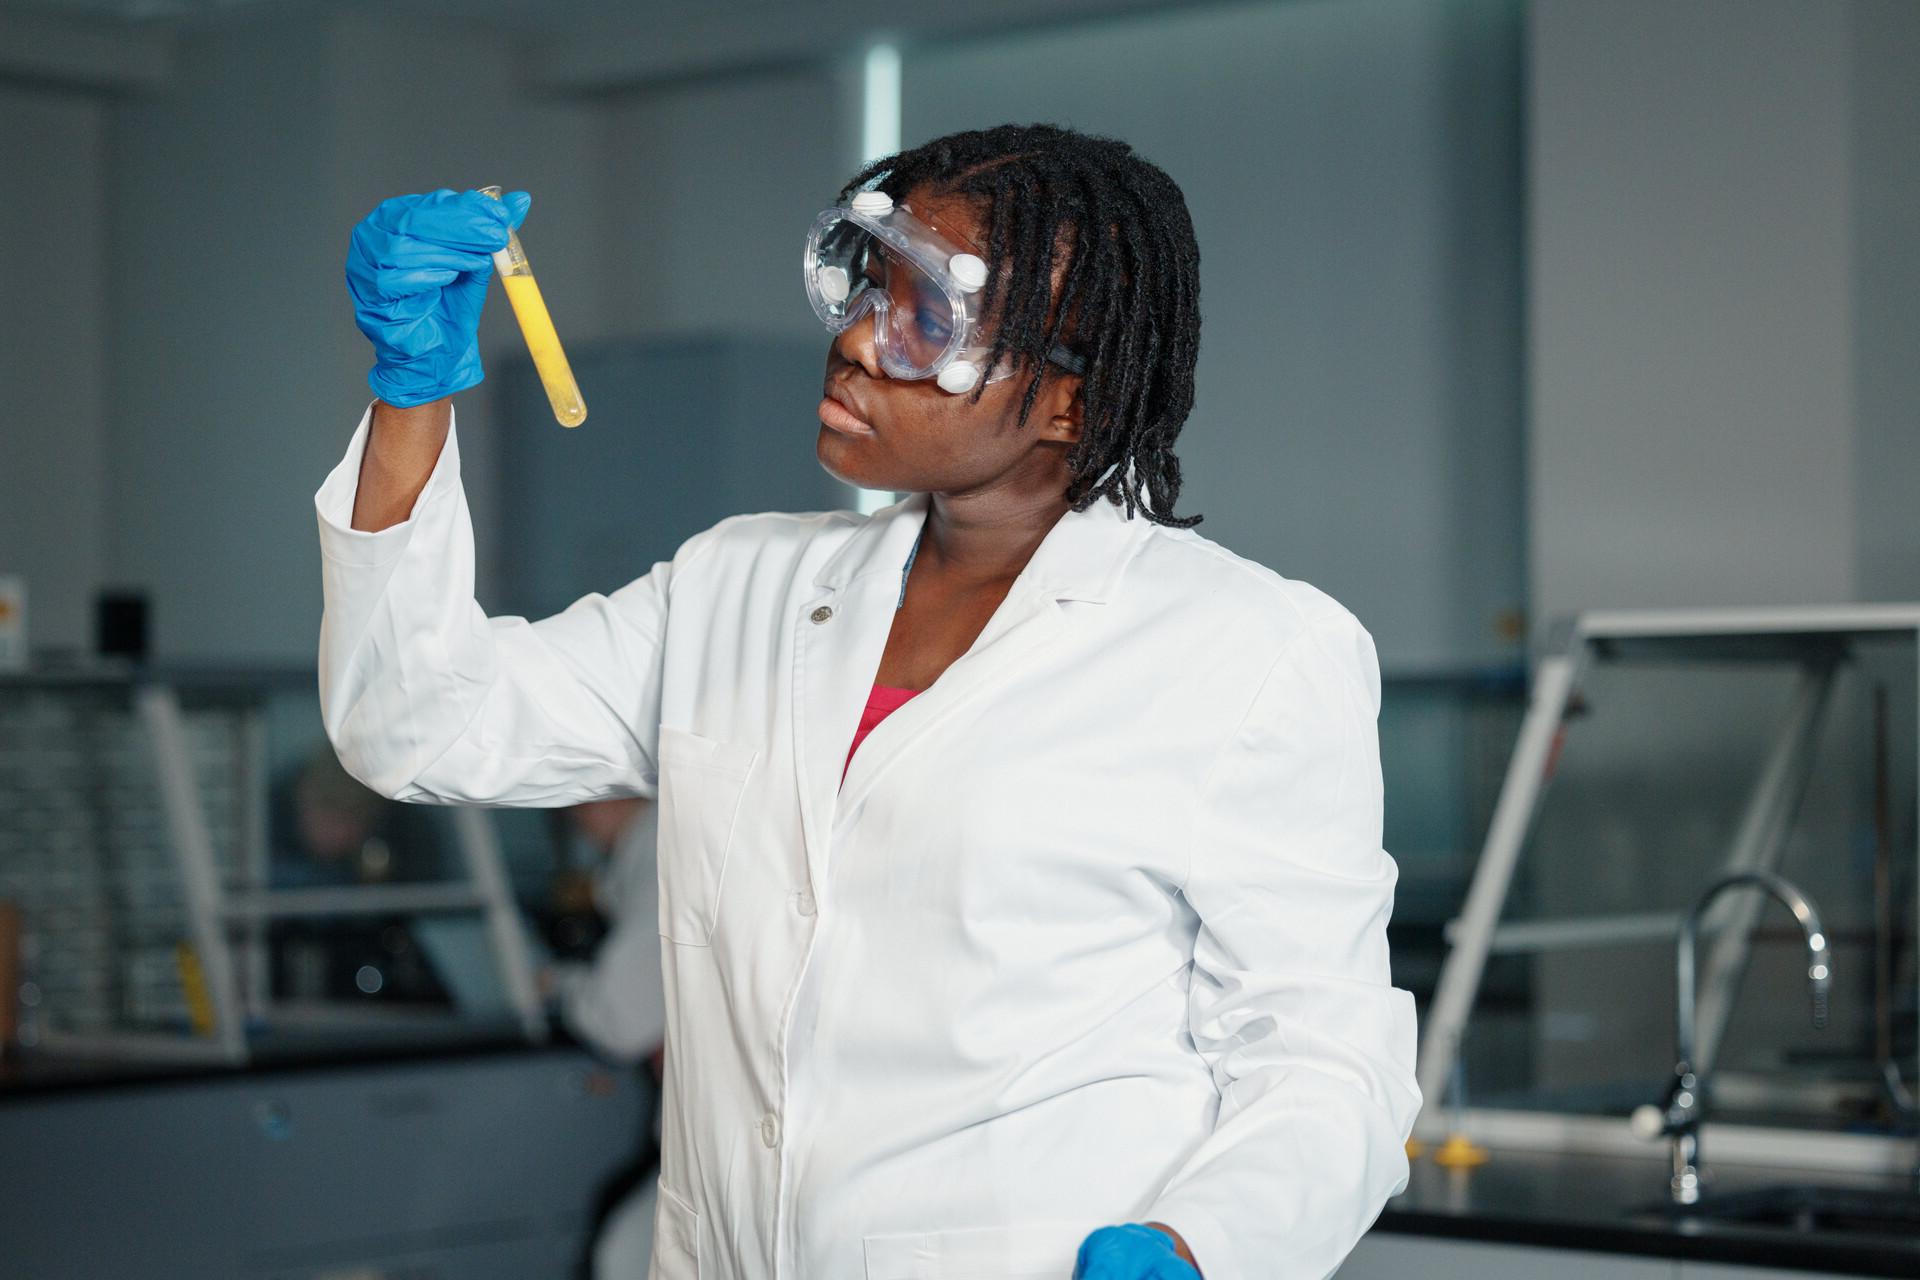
[[1093, 932]]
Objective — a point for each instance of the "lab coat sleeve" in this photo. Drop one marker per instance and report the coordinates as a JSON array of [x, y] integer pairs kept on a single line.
[[425, 698], [1291, 1003]]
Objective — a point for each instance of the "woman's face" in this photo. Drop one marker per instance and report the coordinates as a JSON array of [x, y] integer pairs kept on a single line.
[[920, 439]]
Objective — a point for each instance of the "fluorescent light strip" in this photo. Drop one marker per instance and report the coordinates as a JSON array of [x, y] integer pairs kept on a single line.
[[880, 103], [879, 136]]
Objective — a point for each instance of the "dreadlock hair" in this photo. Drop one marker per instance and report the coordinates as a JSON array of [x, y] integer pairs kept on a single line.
[[1129, 304]]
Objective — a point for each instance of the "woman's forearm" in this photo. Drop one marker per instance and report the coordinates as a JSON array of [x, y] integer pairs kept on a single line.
[[402, 447]]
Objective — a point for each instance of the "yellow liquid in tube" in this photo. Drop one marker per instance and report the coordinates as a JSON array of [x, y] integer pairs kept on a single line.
[[536, 326], [549, 359]]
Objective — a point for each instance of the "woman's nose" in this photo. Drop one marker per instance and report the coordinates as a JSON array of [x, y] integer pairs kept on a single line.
[[855, 344]]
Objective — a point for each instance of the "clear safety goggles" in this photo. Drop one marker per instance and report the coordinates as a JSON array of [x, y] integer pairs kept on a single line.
[[923, 289]]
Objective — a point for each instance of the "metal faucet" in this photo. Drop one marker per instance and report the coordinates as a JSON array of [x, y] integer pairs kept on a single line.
[[1680, 1112]]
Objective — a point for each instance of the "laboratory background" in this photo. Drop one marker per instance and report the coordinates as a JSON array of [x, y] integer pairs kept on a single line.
[[1569, 343]]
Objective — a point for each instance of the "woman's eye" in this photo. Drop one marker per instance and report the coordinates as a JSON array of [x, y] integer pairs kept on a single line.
[[933, 325]]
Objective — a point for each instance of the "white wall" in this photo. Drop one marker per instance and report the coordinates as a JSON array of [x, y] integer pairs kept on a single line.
[[197, 233], [1352, 172], [1695, 331], [231, 344], [710, 188], [53, 357], [1885, 146]]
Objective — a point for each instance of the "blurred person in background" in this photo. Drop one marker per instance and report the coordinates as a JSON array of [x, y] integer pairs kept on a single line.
[[329, 831], [615, 1005]]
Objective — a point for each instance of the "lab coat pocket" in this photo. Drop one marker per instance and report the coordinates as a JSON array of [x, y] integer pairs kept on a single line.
[[701, 785], [676, 1238], [1024, 1251]]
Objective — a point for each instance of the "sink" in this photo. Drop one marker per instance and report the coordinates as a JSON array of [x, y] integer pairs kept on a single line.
[[1853, 1210]]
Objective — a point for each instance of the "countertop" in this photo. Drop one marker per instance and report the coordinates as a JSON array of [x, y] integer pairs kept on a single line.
[[1615, 1204], [1607, 1204], [35, 1075]]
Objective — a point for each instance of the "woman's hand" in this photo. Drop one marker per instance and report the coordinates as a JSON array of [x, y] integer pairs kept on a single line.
[[1134, 1252], [417, 268]]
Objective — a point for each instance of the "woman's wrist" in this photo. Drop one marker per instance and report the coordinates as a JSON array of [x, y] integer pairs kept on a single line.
[[1179, 1245], [403, 446]]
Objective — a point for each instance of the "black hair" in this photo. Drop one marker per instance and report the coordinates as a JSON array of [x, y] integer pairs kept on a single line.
[[1129, 304]]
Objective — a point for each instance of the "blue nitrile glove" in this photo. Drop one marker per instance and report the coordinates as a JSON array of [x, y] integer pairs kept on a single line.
[[1132, 1252], [417, 267]]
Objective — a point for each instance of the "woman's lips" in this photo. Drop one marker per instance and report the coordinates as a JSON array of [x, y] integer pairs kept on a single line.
[[840, 418]]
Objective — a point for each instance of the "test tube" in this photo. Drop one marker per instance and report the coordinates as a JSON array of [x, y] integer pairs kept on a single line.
[[536, 326]]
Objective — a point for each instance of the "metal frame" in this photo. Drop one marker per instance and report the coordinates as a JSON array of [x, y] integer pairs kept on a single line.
[[1528, 773], [1860, 1153], [214, 913], [1772, 635], [251, 785], [1758, 846], [480, 846], [1585, 931], [192, 849]]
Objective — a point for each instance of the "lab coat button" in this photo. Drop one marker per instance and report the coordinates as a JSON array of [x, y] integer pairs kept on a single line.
[[770, 1129], [821, 614], [803, 902]]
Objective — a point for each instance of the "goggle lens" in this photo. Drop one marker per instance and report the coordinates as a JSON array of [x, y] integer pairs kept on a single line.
[[852, 269]]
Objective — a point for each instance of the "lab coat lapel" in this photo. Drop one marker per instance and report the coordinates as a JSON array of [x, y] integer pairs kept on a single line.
[[835, 660], [1080, 559], [1026, 620]]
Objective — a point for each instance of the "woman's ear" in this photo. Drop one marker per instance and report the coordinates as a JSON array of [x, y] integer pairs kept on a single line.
[[1066, 416]]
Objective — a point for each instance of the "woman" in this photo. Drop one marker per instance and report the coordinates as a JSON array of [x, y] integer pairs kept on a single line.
[[1022, 899]]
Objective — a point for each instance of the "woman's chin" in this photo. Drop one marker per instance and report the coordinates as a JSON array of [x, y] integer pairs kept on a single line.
[[834, 450]]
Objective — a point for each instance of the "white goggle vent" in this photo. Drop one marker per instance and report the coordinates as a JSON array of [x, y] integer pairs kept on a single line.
[[959, 376], [833, 283], [968, 271], [874, 204]]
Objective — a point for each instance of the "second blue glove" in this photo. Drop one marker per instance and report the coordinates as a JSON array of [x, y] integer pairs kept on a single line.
[[1132, 1252]]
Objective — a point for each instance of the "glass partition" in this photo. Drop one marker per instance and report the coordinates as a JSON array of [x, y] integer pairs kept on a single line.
[[1662, 752], [196, 877]]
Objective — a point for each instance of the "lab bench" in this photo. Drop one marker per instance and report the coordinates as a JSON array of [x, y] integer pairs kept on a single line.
[[1526, 1215]]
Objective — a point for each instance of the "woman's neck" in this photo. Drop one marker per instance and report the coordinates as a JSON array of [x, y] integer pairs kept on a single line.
[[986, 537]]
